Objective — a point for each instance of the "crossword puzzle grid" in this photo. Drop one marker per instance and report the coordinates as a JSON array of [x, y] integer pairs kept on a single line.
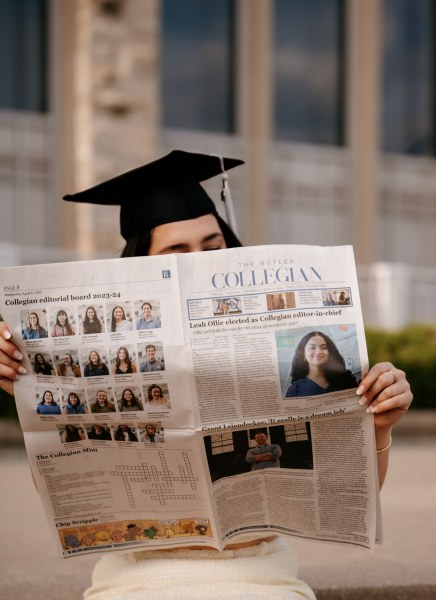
[[162, 488]]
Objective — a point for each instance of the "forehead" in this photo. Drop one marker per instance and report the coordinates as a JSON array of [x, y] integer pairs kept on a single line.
[[189, 232], [316, 339]]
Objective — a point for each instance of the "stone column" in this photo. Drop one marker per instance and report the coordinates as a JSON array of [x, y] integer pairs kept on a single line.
[[110, 107], [255, 112], [364, 100]]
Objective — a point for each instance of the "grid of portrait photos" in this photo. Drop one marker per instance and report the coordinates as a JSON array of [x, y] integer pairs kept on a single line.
[[128, 433], [102, 358]]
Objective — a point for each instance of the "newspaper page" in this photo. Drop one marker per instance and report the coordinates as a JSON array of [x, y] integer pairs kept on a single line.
[[246, 315], [161, 409]]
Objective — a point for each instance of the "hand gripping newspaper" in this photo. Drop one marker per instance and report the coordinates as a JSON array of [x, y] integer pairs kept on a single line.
[[182, 400]]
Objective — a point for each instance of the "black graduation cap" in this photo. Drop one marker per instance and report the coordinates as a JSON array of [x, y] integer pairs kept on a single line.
[[162, 191]]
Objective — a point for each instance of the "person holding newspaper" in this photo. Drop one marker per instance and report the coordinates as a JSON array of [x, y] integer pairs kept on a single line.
[[164, 209]]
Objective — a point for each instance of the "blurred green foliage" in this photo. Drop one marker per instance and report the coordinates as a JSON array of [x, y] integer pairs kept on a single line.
[[412, 349]]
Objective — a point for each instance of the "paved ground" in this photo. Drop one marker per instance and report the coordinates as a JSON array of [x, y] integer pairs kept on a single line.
[[404, 568]]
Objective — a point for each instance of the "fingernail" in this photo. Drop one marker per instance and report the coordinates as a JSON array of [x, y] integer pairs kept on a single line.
[[360, 390], [369, 410], [18, 355], [363, 400], [22, 370], [374, 409], [7, 335]]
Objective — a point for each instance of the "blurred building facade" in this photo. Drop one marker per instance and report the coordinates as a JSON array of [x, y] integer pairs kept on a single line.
[[329, 102]]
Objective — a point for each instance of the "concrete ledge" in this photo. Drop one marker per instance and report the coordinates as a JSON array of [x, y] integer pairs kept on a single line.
[[10, 433], [403, 568], [71, 587], [412, 592]]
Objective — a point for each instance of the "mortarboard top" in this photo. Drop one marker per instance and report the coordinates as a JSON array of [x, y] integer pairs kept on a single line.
[[159, 192]]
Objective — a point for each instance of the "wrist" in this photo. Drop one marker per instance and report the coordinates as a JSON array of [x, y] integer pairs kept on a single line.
[[383, 436]]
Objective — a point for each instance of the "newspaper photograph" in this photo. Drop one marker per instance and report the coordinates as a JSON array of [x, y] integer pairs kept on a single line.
[[184, 400]]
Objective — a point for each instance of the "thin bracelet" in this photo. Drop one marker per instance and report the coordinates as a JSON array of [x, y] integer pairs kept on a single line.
[[388, 445]]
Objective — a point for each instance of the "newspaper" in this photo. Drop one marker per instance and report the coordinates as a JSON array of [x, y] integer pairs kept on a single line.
[[163, 408]]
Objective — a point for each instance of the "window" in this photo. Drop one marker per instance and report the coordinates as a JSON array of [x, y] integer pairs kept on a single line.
[[409, 76], [23, 39], [221, 443], [296, 432], [197, 64], [309, 71]]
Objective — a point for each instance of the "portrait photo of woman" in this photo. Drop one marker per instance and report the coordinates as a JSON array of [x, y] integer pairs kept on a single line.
[[62, 325], [124, 433], [129, 401], [102, 403], [34, 330], [68, 367], [74, 405], [48, 405], [119, 322], [91, 322], [95, 365], [42, 365], [318, 367], [99, 432], [157, 397], [150, 434], [72, 433], [123, 363]]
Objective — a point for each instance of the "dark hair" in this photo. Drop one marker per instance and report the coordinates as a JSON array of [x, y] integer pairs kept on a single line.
[[104, 435], [67, 323], [76, 396], [53, 403], [151, 387], [119, 434], [127, 359], [38, 368], [86, 322], [139, 244], [72, 434], [334, 370], [113, 320], [39, 329], [134, 401]]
